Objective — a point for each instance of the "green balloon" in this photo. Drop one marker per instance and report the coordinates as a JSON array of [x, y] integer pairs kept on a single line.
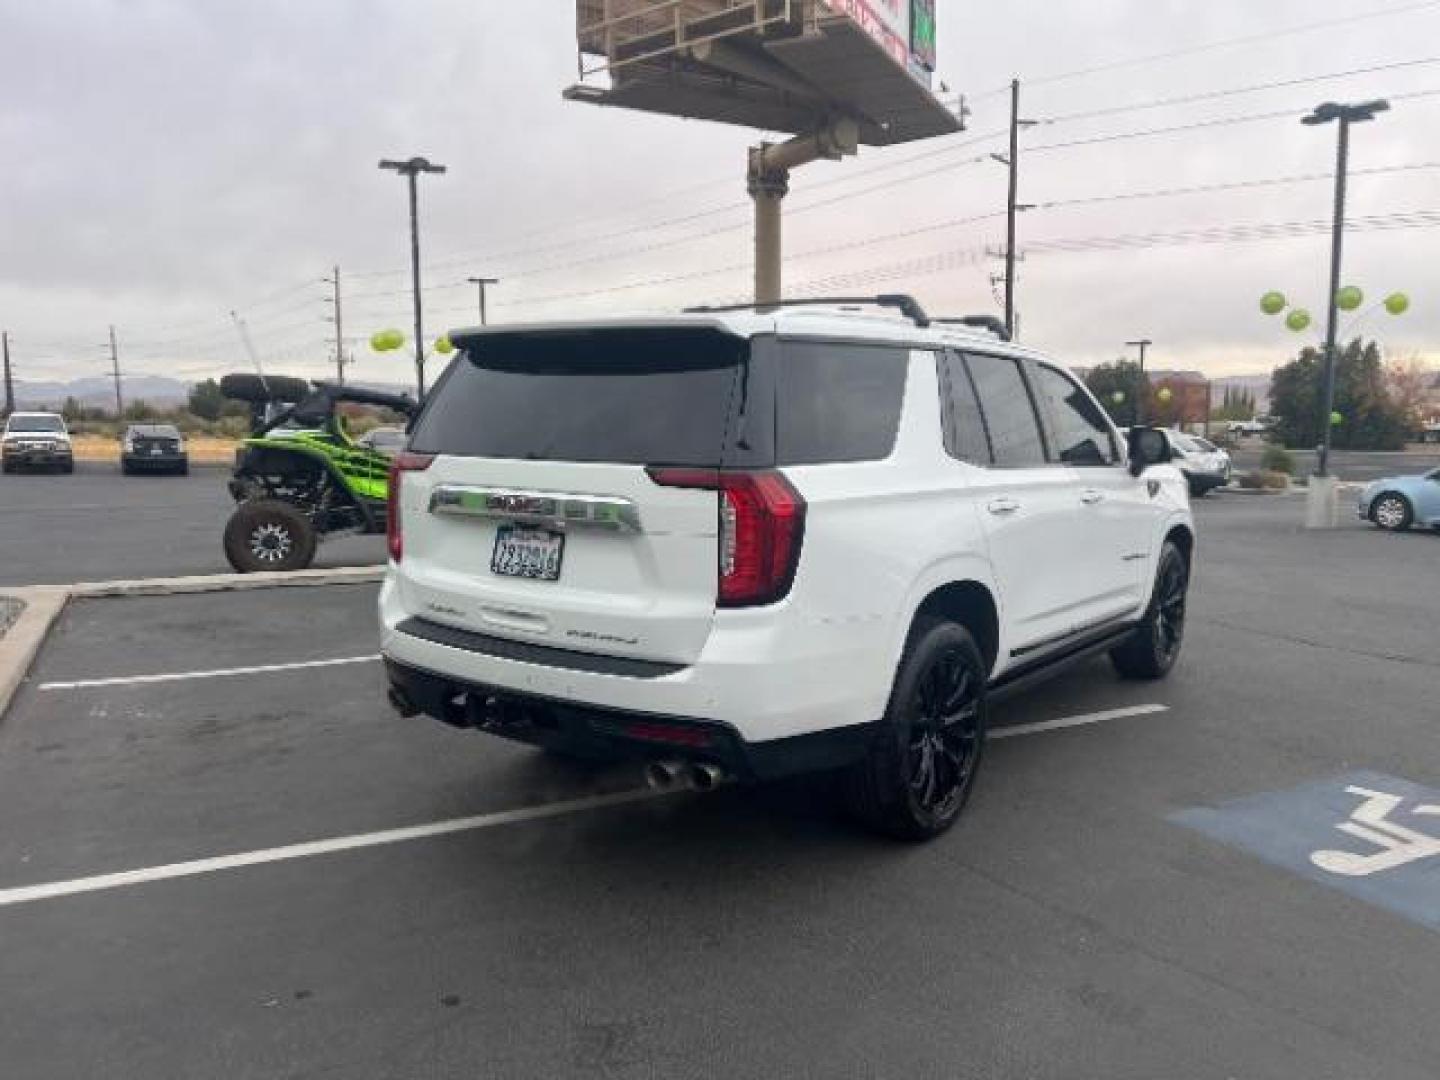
[[444, 346], [1272, 303], [1336, 419], [386, 340], [1298, 320], [1397, 303], [1349, 298]]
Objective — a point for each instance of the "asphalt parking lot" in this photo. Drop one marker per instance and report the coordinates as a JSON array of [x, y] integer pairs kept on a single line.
[[1119, 901], [102, 526]]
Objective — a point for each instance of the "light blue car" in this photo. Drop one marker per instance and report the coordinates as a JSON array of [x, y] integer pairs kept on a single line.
[[1402, 501]]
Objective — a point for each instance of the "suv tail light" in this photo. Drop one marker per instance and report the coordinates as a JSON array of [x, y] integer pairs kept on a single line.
[[762, 525], [394, 526]]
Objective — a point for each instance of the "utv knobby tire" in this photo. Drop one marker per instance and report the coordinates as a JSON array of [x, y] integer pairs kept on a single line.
[[261, 390], [881, 790], [269, 535]]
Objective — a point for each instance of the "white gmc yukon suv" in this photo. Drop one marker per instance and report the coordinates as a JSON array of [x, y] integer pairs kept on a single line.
[[737, 544]]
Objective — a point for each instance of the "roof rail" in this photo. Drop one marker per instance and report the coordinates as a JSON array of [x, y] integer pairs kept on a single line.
[[906, 305], [979, 322]]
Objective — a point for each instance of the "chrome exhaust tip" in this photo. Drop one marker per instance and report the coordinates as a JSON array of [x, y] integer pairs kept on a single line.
[[706, 777], [664, 775]]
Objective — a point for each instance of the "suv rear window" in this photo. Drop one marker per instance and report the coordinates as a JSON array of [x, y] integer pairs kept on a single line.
[[634, 397], [837, 403]]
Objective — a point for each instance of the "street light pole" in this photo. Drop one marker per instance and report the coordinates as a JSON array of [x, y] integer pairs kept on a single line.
[[1346, 115], [411, 170], [481, 282], [1142, 392]]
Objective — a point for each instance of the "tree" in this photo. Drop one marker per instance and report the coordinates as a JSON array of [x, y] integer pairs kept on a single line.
[[1123, 378], [206, 401], [139, 412], [1409, 383], [1370, 416], [72, 410]]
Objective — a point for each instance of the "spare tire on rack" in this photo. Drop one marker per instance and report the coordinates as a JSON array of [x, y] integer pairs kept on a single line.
[[264, 389]]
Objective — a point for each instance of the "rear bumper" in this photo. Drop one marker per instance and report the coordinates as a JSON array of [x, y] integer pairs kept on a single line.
[[136, 462], [765, 675], [615, 734], [38, 457]]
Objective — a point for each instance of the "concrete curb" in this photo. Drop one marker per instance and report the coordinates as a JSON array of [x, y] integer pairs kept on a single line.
[[22, 641], [44, 603], [214, 583]]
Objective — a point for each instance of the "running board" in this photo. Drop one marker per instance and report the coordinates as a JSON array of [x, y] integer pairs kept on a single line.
[[1022, 678]]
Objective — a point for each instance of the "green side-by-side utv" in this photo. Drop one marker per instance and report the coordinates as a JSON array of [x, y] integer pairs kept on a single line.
[[299, 478]]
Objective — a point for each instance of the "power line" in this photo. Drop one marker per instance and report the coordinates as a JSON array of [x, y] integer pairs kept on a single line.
[[1197, 125], [1238, 91], [1211, 46]]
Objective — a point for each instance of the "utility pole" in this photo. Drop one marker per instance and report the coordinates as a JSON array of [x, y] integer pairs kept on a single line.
[[1142, 392], [1346, 115], [9, 381], [115, 372], [339, 320], [481, 282], [411, 170], [1014, 208]]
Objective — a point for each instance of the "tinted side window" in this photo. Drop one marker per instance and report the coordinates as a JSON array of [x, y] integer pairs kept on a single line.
[[1010, 417], [1079, 432], [838, 403], [965, 435]]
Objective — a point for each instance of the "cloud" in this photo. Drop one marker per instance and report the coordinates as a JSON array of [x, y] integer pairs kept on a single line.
[[167, 161]]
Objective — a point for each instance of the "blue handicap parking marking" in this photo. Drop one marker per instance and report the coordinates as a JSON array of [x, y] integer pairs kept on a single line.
[[1373, 836]]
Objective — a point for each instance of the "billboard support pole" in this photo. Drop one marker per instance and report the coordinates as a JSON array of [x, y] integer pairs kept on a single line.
[[768, 181]]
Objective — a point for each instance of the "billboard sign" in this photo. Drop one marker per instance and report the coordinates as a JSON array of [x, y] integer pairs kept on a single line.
[[904, 28], [887, 21], [922, 33]]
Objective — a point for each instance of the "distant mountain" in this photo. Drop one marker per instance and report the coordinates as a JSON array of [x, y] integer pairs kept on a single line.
[[99, 391]]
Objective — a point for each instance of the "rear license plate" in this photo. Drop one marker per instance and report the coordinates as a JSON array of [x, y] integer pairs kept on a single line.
[[155, 451], [528, 553]]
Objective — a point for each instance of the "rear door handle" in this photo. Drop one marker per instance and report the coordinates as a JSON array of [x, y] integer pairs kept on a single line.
[[1003, 506], [1090, 496]]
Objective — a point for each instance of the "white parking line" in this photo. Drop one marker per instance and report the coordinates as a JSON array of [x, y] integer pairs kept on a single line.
[[27, 894], [30, 893], [1076, 721], [185, 676]]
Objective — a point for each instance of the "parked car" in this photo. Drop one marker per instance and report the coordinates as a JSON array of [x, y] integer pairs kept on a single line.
[[1399, 502], [384, 440], [1205, 465], [36, 440], [740, 544], [1247, 427], [153, 448]]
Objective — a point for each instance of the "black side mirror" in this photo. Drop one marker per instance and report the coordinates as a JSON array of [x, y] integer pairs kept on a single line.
[[1148, 446]]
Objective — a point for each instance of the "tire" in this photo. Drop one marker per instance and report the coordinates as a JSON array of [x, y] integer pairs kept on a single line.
[[1392, 512], [1151, 651], [261, 391], [7, 468], [269, 535], [68, 468], [183, 470], [919, 772]]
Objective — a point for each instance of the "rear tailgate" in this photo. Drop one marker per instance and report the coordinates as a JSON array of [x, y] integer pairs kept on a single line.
[[537, 520]]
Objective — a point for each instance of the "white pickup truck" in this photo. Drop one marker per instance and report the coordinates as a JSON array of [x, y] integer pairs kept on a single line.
[[36, 440]]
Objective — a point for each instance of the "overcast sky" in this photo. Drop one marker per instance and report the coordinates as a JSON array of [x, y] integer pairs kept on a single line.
[[165, 161]]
